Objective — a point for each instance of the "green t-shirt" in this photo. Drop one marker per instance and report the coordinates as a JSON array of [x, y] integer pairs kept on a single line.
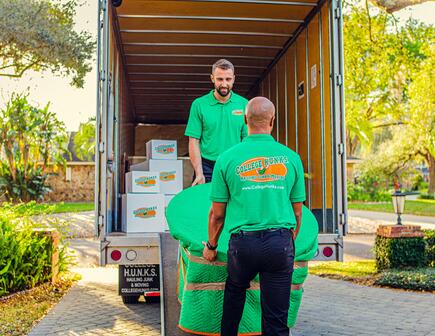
[[258, 179], [217, 125]]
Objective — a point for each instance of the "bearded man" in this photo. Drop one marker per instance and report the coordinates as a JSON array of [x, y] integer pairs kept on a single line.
[[216, 122]]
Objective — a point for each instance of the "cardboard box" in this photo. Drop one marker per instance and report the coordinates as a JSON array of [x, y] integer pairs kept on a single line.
[[145, 213], [168, 198], [171, 174], [161, 150], [142, 182]]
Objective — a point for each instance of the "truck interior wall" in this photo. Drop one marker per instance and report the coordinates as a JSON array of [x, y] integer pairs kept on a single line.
[[299, 86], [120, 127], [326, 67], [281, 101]]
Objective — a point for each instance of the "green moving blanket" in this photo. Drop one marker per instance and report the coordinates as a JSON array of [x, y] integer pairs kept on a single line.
[[201, 283]]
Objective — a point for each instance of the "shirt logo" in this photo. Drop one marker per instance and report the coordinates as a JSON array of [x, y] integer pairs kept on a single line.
[[263, 169], [146, 181], [149, 212], [237, 112], [167, 176], [165, 149]]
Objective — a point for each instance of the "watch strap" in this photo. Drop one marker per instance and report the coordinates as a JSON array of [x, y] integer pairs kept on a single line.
[[210, 246]]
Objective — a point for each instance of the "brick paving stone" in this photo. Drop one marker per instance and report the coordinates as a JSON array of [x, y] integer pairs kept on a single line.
[[93, 307], [329, 307], [332, 307]]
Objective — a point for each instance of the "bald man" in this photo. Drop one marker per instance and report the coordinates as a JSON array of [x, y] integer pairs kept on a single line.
[[257, 193]]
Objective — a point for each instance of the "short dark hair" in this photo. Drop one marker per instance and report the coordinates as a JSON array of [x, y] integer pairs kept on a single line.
[[222, 64]]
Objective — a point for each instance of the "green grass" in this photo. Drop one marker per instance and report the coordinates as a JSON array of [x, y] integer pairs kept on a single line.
[[364, 272], [418, 207], [356, 269], [67, 206], [21, 311]]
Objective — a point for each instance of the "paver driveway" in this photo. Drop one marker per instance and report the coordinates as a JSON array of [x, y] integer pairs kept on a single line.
[[329, 307]]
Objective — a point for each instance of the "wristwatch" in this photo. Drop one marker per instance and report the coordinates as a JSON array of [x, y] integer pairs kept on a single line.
[[210, 246]]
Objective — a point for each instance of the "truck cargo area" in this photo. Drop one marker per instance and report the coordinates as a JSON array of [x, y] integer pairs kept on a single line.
[[155, 58]]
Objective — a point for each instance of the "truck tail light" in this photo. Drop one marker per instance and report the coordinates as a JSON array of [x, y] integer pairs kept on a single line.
[[116, 255], [155, 294], [328, 251]]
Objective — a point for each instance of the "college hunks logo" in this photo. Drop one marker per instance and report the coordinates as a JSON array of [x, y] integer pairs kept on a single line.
[[167, 176], [237, 112], [263, 169], [146, 181], [165, 149], [149, 212]]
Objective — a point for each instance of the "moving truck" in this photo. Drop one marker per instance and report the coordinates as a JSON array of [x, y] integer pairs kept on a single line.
[[155, 57]]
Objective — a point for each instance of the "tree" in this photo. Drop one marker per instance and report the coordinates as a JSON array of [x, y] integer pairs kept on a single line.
[[391, 6], [40, 35], [380, 62], [415, 138], [30, 139], [84, 140]]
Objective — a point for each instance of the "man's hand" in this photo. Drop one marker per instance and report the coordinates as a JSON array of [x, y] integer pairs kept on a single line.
[[210, 255], [293, 234], [199, 179]]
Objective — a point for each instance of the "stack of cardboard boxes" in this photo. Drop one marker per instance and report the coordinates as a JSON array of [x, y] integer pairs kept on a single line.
[[150, 185]]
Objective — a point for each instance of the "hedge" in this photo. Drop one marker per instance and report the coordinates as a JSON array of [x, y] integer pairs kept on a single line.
[[429, 237], [422, 279], [399, 252], [25, 255]]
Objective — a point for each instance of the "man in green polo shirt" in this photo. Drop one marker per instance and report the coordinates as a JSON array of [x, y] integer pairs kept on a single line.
[[257, 193], [216, 122]]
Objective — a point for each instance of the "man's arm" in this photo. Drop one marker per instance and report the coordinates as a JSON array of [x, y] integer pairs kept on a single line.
[[215, 226], [297, 209], [195, 159]]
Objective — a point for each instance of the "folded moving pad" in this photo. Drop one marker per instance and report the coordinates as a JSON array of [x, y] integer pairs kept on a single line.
[[201, 283]]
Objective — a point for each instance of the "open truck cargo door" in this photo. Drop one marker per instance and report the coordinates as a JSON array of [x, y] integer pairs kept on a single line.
[[155, 58]]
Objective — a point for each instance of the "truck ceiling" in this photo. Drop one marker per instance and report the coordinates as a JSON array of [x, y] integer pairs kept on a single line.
[[169, 46]]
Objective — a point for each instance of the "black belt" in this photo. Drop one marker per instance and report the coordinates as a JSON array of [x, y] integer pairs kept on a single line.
[[258, 233]]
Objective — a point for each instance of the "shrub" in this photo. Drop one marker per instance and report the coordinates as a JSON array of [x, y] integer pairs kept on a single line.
[[361, 191], [427, 196], [415, 279], [429, 237], [399, 252], [25, 255]]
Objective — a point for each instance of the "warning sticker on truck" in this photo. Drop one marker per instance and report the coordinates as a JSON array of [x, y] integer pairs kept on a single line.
[[138, 279]]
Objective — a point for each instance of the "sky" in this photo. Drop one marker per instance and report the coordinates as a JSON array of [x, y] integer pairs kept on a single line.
[[74, 106]]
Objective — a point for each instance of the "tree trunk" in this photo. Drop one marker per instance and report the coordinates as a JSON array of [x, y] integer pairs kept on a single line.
[[431, 189], [392, 6]]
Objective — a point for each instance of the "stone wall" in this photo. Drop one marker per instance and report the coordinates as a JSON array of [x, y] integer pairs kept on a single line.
[[79, 189]]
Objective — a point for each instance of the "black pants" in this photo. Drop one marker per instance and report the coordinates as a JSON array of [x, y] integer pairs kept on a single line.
[[207, 169], [269, 253]]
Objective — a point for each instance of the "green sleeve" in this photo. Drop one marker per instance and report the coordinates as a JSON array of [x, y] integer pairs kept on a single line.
[[297, 193], [219, 187], [194, 124], [244, 131]]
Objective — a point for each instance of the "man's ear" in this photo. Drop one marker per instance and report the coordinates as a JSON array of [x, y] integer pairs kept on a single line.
[[272, 121], [212, 78]]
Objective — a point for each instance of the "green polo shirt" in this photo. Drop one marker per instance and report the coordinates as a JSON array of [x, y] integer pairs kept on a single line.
[[258, 179], [217, 125]]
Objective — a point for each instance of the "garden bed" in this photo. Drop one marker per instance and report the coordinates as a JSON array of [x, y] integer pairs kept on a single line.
[[365, 273], [22, 310]]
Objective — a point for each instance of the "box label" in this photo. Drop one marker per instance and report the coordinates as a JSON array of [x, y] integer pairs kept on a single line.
[[146, 181], [139, 279], [165, 149], [168, 176], [145, 212]]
